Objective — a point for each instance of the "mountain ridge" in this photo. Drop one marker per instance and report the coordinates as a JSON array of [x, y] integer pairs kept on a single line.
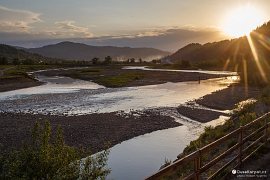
[[79, 51], [11, 53]]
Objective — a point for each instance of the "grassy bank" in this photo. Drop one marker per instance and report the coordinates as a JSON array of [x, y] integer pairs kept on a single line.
[[109, 76], [15, 76], [114, 76], [242, 114], [120, 80]]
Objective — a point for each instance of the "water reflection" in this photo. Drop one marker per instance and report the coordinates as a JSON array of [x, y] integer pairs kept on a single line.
[[73, 99], [176, 70], [55, 84], [142, 156]]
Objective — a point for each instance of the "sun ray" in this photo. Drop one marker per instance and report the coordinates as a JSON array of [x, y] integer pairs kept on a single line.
[[245, 76], [256, 57], [225, 67], [264, 44], [264, 40]]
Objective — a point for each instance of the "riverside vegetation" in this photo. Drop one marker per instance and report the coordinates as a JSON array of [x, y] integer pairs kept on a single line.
[[252, 64], [243, 113], [48, 157]]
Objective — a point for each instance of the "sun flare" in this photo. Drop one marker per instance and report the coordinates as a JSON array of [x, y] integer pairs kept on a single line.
[[242, 20]]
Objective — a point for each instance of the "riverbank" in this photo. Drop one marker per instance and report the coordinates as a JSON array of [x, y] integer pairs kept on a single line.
[[13, 77], [115, 76], [226, 99], [94, 131], [241, 114], [204, 109], [200, 115], [16, 77], [17, 82]]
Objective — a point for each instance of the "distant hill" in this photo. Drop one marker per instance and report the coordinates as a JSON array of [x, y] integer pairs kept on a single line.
[[10, 53], [235, 54], [234, 49], [78, 51], [212, 52]]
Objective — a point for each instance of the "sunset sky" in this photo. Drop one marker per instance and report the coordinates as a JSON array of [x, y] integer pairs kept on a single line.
[[166, 25]]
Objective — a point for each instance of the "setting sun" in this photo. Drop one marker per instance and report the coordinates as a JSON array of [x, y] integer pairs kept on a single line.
[[242, 20]]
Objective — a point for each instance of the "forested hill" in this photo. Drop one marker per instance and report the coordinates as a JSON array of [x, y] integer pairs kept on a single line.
[[234, 54], [10, 53], [223, 50]]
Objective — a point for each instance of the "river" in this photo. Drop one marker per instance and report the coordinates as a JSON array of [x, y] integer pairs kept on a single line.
[[138, 157]]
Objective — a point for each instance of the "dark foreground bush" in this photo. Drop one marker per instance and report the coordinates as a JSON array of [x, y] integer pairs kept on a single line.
[[47, 157]]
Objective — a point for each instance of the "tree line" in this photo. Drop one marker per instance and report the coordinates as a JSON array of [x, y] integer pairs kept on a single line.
[[94, 61]]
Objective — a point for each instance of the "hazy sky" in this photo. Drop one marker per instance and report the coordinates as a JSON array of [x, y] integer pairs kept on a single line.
[[165, 24]]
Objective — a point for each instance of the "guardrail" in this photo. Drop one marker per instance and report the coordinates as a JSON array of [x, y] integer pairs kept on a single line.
[[241, 146]]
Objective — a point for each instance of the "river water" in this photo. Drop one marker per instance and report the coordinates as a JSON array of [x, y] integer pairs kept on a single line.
[[138, 157]]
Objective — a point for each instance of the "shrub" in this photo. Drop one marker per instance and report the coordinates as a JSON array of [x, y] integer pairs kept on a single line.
[[244, 107], [265, 96], [50, 158]]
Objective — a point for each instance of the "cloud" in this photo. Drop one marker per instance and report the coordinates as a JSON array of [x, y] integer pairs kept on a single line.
[[68, 29], [170, 39], [14, 20], [149, 33], [16, 28], [21, 21]]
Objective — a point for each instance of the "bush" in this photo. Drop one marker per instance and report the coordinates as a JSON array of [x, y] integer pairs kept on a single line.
[[247, 118], [3, 61], [16, 61], [265, 96], [50, 158], [244, 107], [242, 115]]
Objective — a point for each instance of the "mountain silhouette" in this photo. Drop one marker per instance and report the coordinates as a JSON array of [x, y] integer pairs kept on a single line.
[[248, 54], [79, 51]]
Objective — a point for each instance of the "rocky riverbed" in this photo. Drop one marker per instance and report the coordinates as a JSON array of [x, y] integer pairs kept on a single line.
[[93, 131]]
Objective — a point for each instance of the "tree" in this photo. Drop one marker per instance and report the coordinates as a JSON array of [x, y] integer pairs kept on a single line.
[[156, 61], [140, 61], [95, 60], [47, 157], [16, 61], [132, 60], [185, 63], [3, 61], [27, 62], [108, 60]]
